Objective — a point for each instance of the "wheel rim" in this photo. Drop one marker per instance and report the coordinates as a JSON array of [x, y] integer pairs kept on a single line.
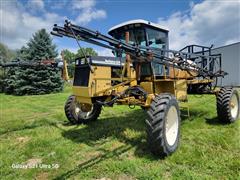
[[234, 106], [81, 112], [171, 126]]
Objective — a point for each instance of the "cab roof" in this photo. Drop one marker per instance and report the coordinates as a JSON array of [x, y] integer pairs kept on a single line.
[[137, 21]]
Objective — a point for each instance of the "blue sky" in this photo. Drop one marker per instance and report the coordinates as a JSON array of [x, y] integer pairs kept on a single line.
[[190, 22], [123, 10]]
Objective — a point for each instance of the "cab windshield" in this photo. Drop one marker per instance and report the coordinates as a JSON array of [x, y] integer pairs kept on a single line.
[[156, 38], [136, 36]]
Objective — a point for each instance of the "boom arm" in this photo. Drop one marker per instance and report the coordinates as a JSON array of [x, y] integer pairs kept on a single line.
[[141, 53]]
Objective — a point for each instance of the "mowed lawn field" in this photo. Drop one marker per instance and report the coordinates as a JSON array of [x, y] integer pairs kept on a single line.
[[34, 131]]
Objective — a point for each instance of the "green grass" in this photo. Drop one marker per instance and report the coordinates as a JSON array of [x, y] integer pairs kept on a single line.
[[114, 147]]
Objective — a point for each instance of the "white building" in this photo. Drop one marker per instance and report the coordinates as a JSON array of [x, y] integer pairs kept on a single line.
[[230, 64]]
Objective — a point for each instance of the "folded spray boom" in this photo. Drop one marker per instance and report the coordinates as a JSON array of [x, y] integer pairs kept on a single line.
[[178, 59]]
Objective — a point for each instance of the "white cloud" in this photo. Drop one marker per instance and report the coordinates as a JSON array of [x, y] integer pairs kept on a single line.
[[17, 25], [36, 4], [83, 4], [19, 22], [88, 12], [71, 49], [88, 15], [104, 52], [208, 22]]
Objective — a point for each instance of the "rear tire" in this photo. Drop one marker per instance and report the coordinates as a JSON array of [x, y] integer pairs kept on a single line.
[[228, 105], [163, 125], [75, 114]]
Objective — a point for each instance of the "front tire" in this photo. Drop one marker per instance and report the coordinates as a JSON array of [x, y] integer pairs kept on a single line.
[[163, 125], [228, 105], [78, 113]]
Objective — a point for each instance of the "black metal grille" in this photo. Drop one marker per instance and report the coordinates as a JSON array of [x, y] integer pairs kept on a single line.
[[81, 75]]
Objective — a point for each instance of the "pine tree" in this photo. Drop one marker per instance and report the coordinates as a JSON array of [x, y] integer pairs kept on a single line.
[[41, 79], [23, 53], [40, 47]]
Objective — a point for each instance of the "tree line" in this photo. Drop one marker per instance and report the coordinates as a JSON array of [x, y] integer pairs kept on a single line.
[[40, 79], [70, 56]]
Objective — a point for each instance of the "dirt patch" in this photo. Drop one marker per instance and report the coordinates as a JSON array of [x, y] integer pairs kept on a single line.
[[22, 139], [92, 155], [120, 177], [104, 178], [42, 176], [130, 155], [125, 177], [52, 153], [33, 162], [116, 145], [167, 175]]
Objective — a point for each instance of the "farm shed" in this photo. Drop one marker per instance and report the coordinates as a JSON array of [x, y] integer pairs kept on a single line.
[[230, 64]]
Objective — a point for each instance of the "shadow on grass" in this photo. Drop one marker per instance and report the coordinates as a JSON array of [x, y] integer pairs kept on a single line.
[[194, 113], [115, 127], [88, 164], [215, 121], [33, 125], [111, 127]]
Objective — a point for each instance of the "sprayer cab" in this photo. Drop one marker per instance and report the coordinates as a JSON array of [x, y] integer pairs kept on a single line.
[[141, 33], [144, 33]]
